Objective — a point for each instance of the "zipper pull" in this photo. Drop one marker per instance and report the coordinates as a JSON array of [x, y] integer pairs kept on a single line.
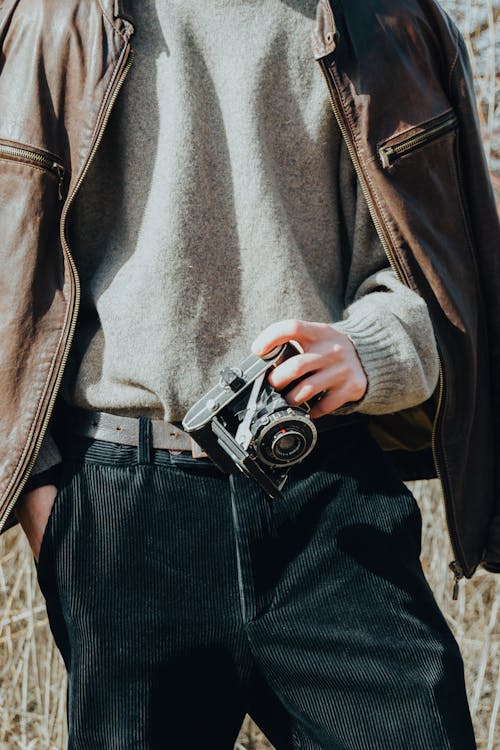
[[60, 178], [457, 574], [385, 153]]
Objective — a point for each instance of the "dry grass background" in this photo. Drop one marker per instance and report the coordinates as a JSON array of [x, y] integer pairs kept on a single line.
[[32, 679]]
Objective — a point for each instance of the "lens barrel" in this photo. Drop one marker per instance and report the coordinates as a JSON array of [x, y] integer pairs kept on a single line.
[[284, 437]]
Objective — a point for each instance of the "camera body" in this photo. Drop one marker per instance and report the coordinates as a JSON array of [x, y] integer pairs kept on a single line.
[[244, 422]]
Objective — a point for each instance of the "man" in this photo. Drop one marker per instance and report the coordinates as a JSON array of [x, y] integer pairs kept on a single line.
[[217, 203]]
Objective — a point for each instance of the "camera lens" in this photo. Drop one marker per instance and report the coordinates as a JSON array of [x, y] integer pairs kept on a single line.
[[283, 439], [286, 445]]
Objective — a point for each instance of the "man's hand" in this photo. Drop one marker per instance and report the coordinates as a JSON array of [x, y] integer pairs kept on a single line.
[[329, 356], [32, 511]]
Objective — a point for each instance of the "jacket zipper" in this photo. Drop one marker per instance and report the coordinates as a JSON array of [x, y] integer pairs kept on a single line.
[[333, 94], [373, 211], [125, 66], [390, 153], [34, 158]]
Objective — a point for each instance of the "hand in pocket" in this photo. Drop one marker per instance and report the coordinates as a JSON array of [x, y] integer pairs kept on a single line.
[[32, 511]]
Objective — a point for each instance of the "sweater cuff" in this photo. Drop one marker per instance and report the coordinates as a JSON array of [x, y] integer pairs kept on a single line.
[[49, 476], [49, 455], [379, 356]]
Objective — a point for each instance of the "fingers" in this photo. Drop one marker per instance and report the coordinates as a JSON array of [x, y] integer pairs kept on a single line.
[[278, 333], [294, 367], [332, 401], [340, 381], [329, 363], [329, 366], [314, 384]]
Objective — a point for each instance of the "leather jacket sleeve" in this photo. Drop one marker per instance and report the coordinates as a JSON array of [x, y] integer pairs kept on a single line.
[[481, 218]]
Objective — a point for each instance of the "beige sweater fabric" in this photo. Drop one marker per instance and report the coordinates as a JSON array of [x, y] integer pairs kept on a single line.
[[223, 199]]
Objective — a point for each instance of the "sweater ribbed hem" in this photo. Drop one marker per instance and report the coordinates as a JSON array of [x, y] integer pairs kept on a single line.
[[48, 457]]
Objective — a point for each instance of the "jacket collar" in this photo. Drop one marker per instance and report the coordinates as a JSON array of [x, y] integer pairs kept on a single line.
[[324, 32], [120, 10]]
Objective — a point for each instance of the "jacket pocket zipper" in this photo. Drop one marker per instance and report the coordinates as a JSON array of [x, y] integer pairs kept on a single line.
[[389, 153], [34, 158]]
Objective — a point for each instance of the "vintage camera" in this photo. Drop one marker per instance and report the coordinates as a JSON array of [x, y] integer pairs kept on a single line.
[[244, 422]]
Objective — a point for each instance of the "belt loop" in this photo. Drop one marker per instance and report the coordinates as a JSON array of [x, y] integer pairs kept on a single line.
[[145, 441]]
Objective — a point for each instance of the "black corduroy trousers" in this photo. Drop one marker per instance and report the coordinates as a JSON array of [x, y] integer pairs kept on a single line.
[[181, 597]]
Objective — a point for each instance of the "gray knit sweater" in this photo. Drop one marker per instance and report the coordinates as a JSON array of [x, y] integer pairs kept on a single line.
[[223, 199]]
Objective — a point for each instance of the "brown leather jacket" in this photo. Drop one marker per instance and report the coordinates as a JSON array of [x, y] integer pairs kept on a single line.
[[401, 90]]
